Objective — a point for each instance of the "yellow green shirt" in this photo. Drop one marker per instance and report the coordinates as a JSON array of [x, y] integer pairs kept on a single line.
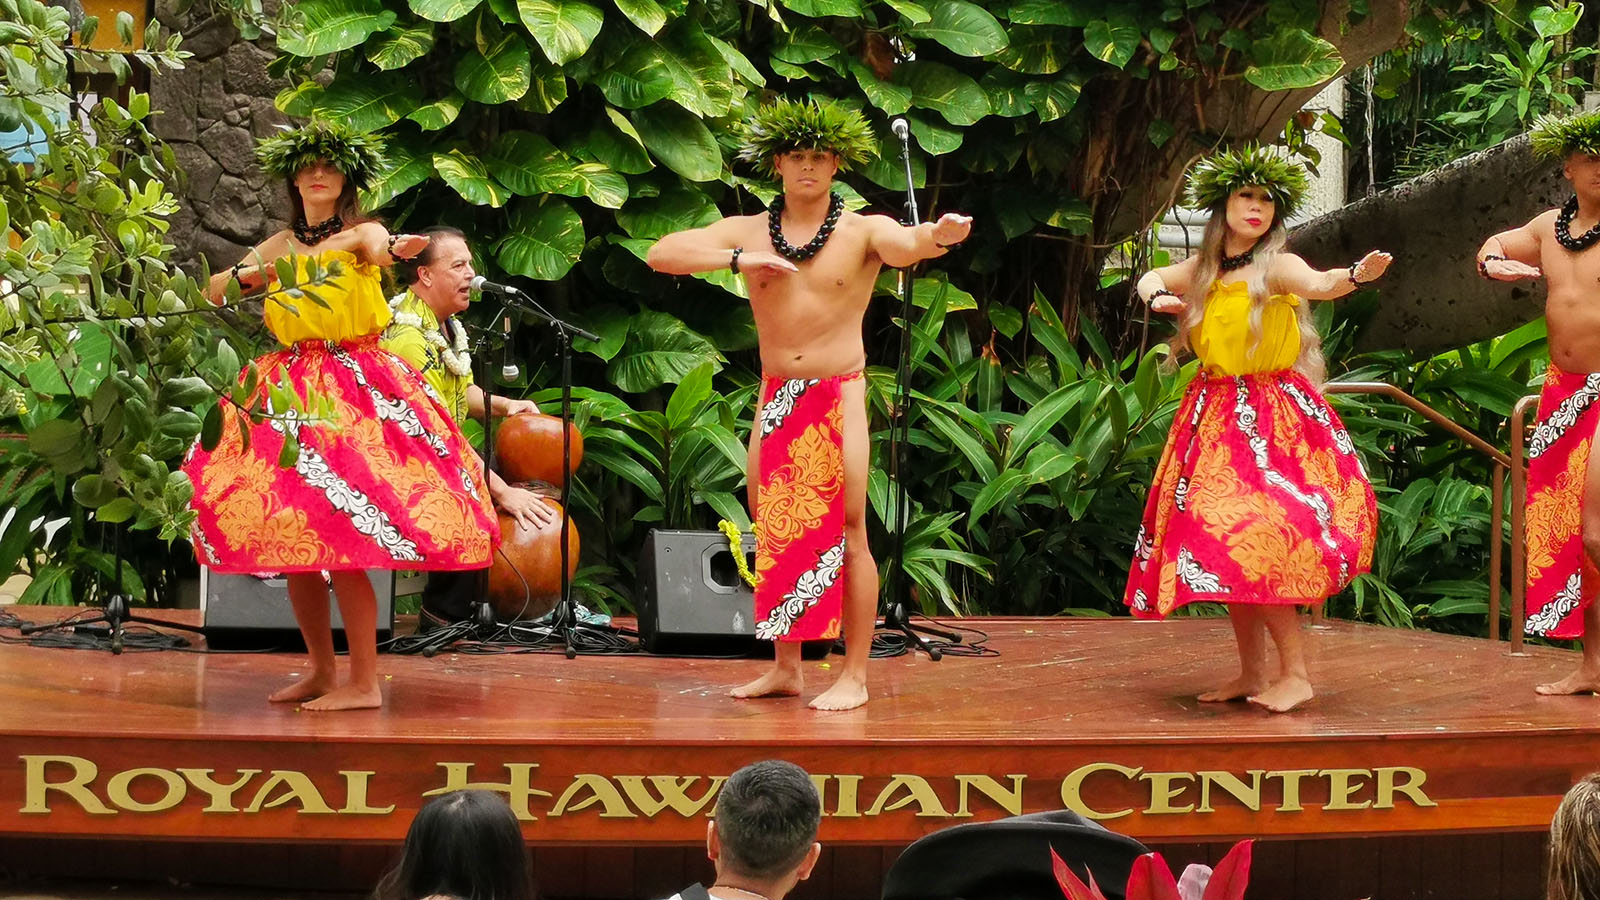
[[415, 335], [1223, 341]]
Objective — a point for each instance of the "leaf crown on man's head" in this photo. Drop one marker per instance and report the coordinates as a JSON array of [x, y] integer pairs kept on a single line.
[[358, 156], [1557, 137], [784, 125], [1214, 179]]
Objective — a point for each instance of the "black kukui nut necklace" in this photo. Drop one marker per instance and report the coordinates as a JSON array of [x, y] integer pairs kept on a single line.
[[312, 235], [1564, 234], [1229, 263], [800, 254]]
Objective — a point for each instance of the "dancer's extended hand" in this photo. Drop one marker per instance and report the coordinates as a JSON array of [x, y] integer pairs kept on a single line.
[[529, 509], [1371, 267], [1510, 270], [406, 246], [1166, 303], [952, 228], [761, 261]]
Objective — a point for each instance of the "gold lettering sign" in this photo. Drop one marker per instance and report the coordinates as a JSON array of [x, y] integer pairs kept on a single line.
[[1097, 790]]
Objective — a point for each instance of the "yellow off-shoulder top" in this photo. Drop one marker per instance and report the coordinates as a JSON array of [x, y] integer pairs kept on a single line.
[[1223, 340], [356, 305]]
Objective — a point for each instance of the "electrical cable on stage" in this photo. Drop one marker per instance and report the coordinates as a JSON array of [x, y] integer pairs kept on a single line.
[[66, 635], [891, 642]]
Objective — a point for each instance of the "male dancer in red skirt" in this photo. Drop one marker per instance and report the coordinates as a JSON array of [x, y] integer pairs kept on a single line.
[[809, 447]]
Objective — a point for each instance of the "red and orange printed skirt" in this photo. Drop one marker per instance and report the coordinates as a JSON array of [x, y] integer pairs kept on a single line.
[[390, 483], [1561, 579], [1259, 498], [800, 508]]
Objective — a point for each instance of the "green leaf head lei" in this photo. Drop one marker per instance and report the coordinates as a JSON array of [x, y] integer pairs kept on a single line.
[[784, 125], [358, 156], [1214, 179], [1557, 137]]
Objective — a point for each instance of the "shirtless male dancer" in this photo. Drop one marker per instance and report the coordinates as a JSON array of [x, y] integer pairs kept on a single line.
[[810, 269], [1563, 511]]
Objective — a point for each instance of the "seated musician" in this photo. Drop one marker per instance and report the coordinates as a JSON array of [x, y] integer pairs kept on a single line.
[[425, 334]]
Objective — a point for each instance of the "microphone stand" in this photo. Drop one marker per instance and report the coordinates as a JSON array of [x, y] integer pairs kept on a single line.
[[565, 619], [482, 609], [895, 615]]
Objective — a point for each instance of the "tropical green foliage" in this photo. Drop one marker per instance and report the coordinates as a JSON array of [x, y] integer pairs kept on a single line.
[[110, 360], [1469, 79]]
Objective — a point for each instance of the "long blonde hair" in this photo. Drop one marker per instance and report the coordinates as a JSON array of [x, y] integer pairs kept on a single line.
[[1310, 363], [1574, 872]]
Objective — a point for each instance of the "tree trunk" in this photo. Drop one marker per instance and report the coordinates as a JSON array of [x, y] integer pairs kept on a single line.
[[1432, 298]]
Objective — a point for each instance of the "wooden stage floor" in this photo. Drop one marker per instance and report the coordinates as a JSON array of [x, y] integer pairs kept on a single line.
[[1411, 732]]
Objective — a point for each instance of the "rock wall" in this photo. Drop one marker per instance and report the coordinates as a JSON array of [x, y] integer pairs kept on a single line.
[[1432, 299], [212, 111]]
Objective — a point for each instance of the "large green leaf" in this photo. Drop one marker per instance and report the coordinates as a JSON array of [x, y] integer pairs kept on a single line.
[[497, 74], [647, 14], [546, 90], [1112, 40], [543, 239], [470, 179], [598, 183], [737, 61], [1052, 99], [563, 28], [680, 141], [616, 144], [964, 28], [439, 113], [525, 162], [938, 87], [368, 104], [892, 98], [683, 66], [675, 209], [1041, 50], [443, 10], [849, 9], [1292, 59], [932, 136], [400, 45], [914, 13], [1049, 12], [328, 26], [1007, 92], [807, 44], [660, 350], [408, 167]]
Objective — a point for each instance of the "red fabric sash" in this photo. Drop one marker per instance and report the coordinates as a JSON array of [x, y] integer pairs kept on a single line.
[[1561, 579], [800, 508]]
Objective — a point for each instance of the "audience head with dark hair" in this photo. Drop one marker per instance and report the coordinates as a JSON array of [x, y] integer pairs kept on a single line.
[[465, 845], [1575, 844], [764, 837]]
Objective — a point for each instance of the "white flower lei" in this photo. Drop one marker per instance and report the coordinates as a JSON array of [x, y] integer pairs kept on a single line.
[[456, 358]]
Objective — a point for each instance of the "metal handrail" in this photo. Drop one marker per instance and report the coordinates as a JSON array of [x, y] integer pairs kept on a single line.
[[1501, 462]]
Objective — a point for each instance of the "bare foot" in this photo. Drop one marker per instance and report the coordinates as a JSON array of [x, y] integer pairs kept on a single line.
[[308, 688], [848, 692], [776, 683], [1583, 681], [1237, 689], [1284, 695], [350, 696]]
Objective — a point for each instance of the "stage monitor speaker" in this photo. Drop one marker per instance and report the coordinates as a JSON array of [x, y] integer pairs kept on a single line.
[[244, 612], [692, 600]]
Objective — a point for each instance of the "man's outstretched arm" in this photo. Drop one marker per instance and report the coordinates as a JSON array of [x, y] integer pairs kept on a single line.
[[1512, 255], [906, 245], [709, 249]]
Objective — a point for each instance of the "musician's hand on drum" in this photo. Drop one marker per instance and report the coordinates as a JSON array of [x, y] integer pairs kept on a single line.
[[515, 407], [530, 510]]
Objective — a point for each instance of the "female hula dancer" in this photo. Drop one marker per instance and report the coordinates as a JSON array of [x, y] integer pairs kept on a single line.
[[385, 482], [1259, 501]]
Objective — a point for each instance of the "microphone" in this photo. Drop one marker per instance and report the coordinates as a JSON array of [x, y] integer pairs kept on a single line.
[[508, 369], [479, 283], [900, 128]]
